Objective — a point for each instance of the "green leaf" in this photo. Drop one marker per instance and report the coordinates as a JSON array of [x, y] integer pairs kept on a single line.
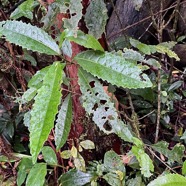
[[49, 155], [174, 155], [30, 37], [97, 103], [63, 122], [29, 95], [114, 69], [66, 154], [24, 10], [184, 168], [113, 162], [169, 180], [37, 80], [37, 175], [76, 178], [96, 18], [45, 108], [23, 169], [113, 179], [144, 161], [137, 181], [87, 144], [67, 48], [88, 41]]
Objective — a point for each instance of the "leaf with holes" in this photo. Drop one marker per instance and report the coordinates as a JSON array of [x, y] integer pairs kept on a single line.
[[98, 103], [45, 108], [113, 68], [29, 37], [63, 122], [96, 18]]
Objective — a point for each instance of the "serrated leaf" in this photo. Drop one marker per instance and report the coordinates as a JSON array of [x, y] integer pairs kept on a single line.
[[96, 18], [30, 37], [98, 103], [37, 175], [79, 163], [49, 155], [144, 161], [45, 108], [24, 10], [66, 154], [87, 144], [86, 40], [174, 155], [63, 122], [23, 169], [29, 95], [113, 68], [76, 178], [169, 179]]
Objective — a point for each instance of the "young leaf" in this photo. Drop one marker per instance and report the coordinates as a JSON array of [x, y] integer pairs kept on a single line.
[[29, 37], [24, 10], [37, 175], [49, 155], [66, 154], [87, 144], [88, 41], [76, 178], [45, 108], [63, 122], [144, 161], [29, 95], [96, 18], [114, 69], [23, 169], [174, 155], [98, 103], [79, 163], [169, 179]]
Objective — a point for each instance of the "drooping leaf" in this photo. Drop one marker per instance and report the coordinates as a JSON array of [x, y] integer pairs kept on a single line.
[[23, 169], [63, 123], [174, 155], [169, 180], [76, 178], [98, 103], [144, 161], [45, 108], [29, 37], [24, 10], [87, 144], [37, 175], [49, 155], [96, 18], [113, 68], [162, 48], [88, 41]]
